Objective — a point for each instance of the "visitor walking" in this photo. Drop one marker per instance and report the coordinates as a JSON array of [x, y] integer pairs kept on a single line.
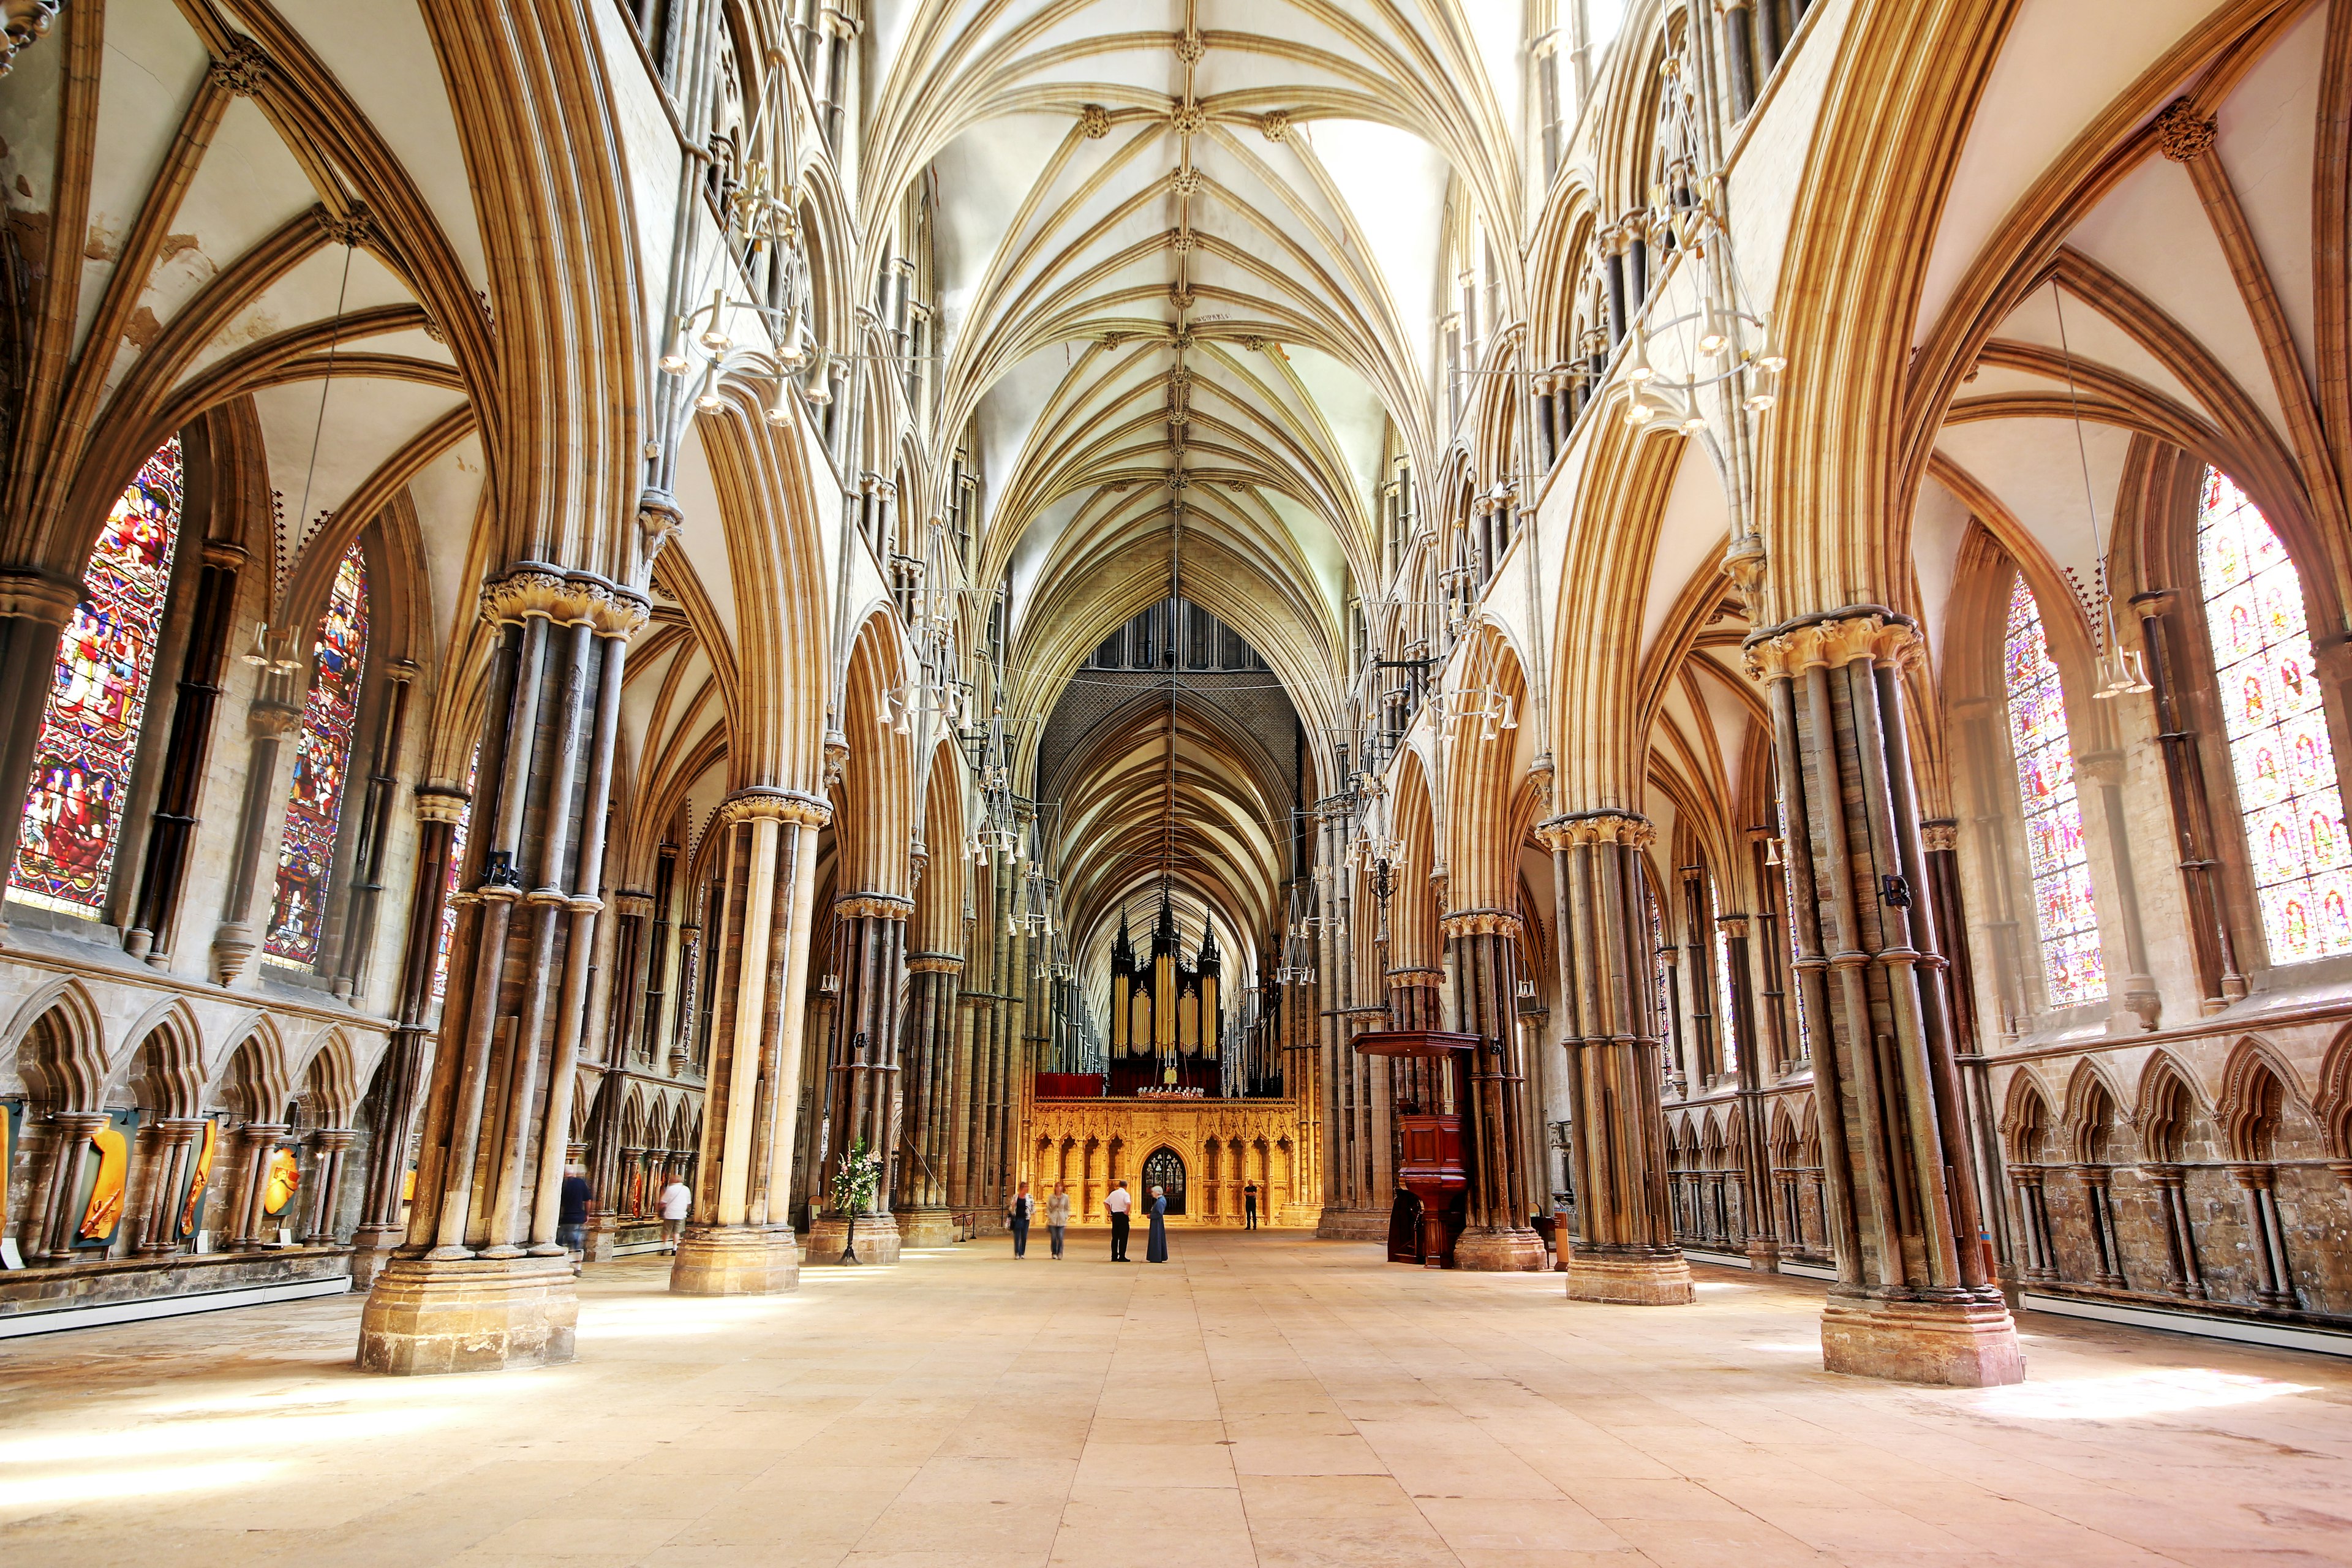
[[1156, 1250], [1017, 1219], [1119, 1202], [677, 1200], [1057, 1216], [579, 1201]]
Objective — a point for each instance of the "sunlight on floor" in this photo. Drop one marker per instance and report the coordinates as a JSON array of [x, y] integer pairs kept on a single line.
[[2135, 1394], [253, 1432], [45, 1492]]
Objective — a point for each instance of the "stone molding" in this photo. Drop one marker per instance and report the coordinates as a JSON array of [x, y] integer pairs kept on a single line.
[[34, 597], [1430, 979], [935, 963], [1939, 833]]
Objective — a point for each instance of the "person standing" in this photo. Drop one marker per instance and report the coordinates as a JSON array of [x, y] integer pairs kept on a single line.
[[1057, 1216], [1249, 1205], [1119, 1202], [1017, 1219], [677, 1200], [1156, 1250], [578, 1203]]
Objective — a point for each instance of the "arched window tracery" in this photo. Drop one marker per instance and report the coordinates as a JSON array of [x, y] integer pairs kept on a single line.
[[66, 851], [2276, 723], [314, 803], [2065, 914]]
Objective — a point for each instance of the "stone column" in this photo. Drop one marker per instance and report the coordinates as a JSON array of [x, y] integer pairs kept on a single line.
[[1485, 945], [2274, 1285], [865, 1067], [163, 872], [175, 1141], [273, 716], [259, 1138], [358, 937], [481, 1282], [739, 1240], [1623, 1246], [2183, 1276], [327, 1145], [1912, 1299], [400, 1079], [70, 1136], [925, 1217], [1761, 1243]]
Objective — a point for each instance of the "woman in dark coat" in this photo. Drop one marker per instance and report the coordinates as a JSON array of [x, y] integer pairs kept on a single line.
[[1157, 1251]]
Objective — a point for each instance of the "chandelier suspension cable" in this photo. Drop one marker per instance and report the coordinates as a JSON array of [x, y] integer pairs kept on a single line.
[[287, 662], [2118, 673]]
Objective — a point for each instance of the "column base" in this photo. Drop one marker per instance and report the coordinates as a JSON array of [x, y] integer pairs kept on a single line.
[[1634, 1280], [371, 1248], [469, 1314], [736, 1260], [1498, 1250], [1951, 1344], [604, 1239], [923, 1227], [1352, 1225], [878, 1239], [1764, 1254]]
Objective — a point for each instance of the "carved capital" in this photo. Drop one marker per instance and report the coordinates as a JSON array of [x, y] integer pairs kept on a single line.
[[1479, 923], [762, 804], [441, 803], [266, 719], [630, 901], [1939, 833], [659, 518], [935, 963], [2100, 767], [1833, 640], [1605, 827], [569, 598], [35, 597], [873, 906]]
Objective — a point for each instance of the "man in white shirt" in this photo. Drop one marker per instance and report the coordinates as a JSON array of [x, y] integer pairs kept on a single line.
[[1119, 1202], [676, 1199]]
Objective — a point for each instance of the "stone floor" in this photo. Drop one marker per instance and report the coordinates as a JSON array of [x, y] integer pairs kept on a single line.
[[1261, 1399]]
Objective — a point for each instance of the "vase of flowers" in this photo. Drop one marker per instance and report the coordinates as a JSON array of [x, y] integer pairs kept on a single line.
[[854, 1182]]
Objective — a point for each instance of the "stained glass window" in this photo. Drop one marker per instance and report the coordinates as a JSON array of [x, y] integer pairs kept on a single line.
[[457, 833], [314, 806], [2064, 911], [2277, 726], [97, 696]]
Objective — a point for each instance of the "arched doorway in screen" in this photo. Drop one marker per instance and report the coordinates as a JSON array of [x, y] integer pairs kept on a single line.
[[1163, 1168]]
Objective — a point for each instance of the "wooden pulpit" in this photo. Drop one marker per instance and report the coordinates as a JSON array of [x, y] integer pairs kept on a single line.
[[1433, 1168]]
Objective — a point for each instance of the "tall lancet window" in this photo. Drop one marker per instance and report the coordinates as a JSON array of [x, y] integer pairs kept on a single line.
[[2064, 915], [2277, 727], [322, 760], [98, 697]]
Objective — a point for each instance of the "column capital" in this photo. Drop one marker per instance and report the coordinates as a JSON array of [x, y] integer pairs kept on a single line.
[[874, 906], [333, 1139], [1939, 834], [1606, 825], [1479, 923], [935, 963], [766, 803], [36, 596], [1832, 639], [629, 902], [571, 598], [441, 803]]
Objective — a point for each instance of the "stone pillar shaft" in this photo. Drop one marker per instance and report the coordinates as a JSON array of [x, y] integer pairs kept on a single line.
[[482, 1281], [1485, 947], [1912, 1300], [1623, 1249]]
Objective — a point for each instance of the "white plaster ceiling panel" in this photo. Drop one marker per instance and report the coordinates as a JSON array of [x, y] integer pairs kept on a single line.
[[28, 138], [447, 496], [2151, 230], [382, 56], [2092, 338], [1691, 536], [2062, 64], [2033, 467], [247, 187], [154, 64], [307, 293], [1938, 523], [640, 694], [702, 534], [366, 421], [1728, 720], [2268, 129]]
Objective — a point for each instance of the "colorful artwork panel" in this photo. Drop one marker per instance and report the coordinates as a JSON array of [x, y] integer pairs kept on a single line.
[[200, 1177], [2065, 916], [97, 699], [322, 757], [2277, 724], [105, 1179], [281, 1179]]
